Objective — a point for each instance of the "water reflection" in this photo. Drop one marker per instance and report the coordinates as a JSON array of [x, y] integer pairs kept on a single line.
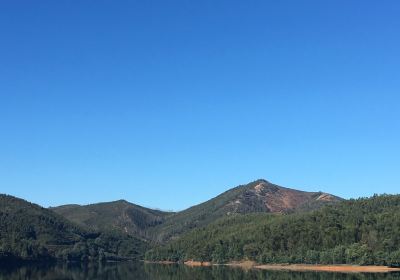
[[131, 271]]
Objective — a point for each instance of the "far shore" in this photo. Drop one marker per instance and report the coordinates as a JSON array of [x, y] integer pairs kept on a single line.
[[317, 267], [345, 268]]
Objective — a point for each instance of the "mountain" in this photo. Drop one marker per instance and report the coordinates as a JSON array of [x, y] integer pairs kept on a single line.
[[259, 196], [363, 231], [117, 215], [30, 232], [260, 221]]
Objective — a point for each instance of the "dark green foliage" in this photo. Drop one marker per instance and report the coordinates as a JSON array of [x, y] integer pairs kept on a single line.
[[160, 227], [363, 231], [242, 199], [29, 232], [118, 215]]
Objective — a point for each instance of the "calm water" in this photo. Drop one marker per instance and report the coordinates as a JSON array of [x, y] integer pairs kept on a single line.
[[125, 271]]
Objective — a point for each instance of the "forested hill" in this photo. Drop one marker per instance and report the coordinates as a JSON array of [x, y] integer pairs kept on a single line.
[[362, 231], [259, 196], [119, 215], [30, 232]]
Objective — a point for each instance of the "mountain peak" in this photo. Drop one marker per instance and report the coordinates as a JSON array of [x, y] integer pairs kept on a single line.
[[117, 215], [122, 201], [261, 181], [263, 196], [260, 196]]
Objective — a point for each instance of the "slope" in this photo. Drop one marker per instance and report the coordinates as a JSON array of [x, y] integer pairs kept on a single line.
[[363, 231], [117, 215], [257, 197], [29, 232]]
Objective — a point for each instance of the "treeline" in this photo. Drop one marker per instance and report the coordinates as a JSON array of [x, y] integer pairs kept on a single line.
[[29, 232], [362, 231]]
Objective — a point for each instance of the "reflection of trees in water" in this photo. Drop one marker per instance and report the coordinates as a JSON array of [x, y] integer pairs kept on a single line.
[[75, 272], [175, 272], [129, 271]]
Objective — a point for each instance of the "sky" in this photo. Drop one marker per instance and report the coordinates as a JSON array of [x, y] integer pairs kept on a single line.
[[169, 103]]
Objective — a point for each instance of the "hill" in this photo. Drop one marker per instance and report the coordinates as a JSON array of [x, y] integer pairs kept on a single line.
[[259, 196], [117, 215], [363, 231], [29, 232]]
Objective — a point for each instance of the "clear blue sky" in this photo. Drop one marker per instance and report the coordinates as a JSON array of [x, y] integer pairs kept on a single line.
[[169, 103]]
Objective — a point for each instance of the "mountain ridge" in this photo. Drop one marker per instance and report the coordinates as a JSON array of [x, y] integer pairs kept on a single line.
[[30, 232], [120, 215], [259, 196], [364, 231]]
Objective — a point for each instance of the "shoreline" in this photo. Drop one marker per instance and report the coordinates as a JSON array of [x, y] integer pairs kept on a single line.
[[332, 268], [339, 268]]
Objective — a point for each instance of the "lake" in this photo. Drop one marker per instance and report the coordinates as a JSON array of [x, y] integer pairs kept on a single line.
[[131, 271]]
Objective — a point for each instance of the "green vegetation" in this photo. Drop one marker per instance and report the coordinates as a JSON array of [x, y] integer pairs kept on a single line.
[[242, 199], [29, 232], [119, 216], [363, 231], [157, 225], [160, 227], [260, 222]]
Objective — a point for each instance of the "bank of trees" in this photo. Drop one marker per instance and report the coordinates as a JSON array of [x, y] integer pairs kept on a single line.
[[362, 231], [29, 232]]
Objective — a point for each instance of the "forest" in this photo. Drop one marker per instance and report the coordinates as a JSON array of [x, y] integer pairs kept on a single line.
[[29, 232], [364, 231]]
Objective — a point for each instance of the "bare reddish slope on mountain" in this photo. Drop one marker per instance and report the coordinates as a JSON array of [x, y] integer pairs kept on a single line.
[[268, 197], [260, 196]]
